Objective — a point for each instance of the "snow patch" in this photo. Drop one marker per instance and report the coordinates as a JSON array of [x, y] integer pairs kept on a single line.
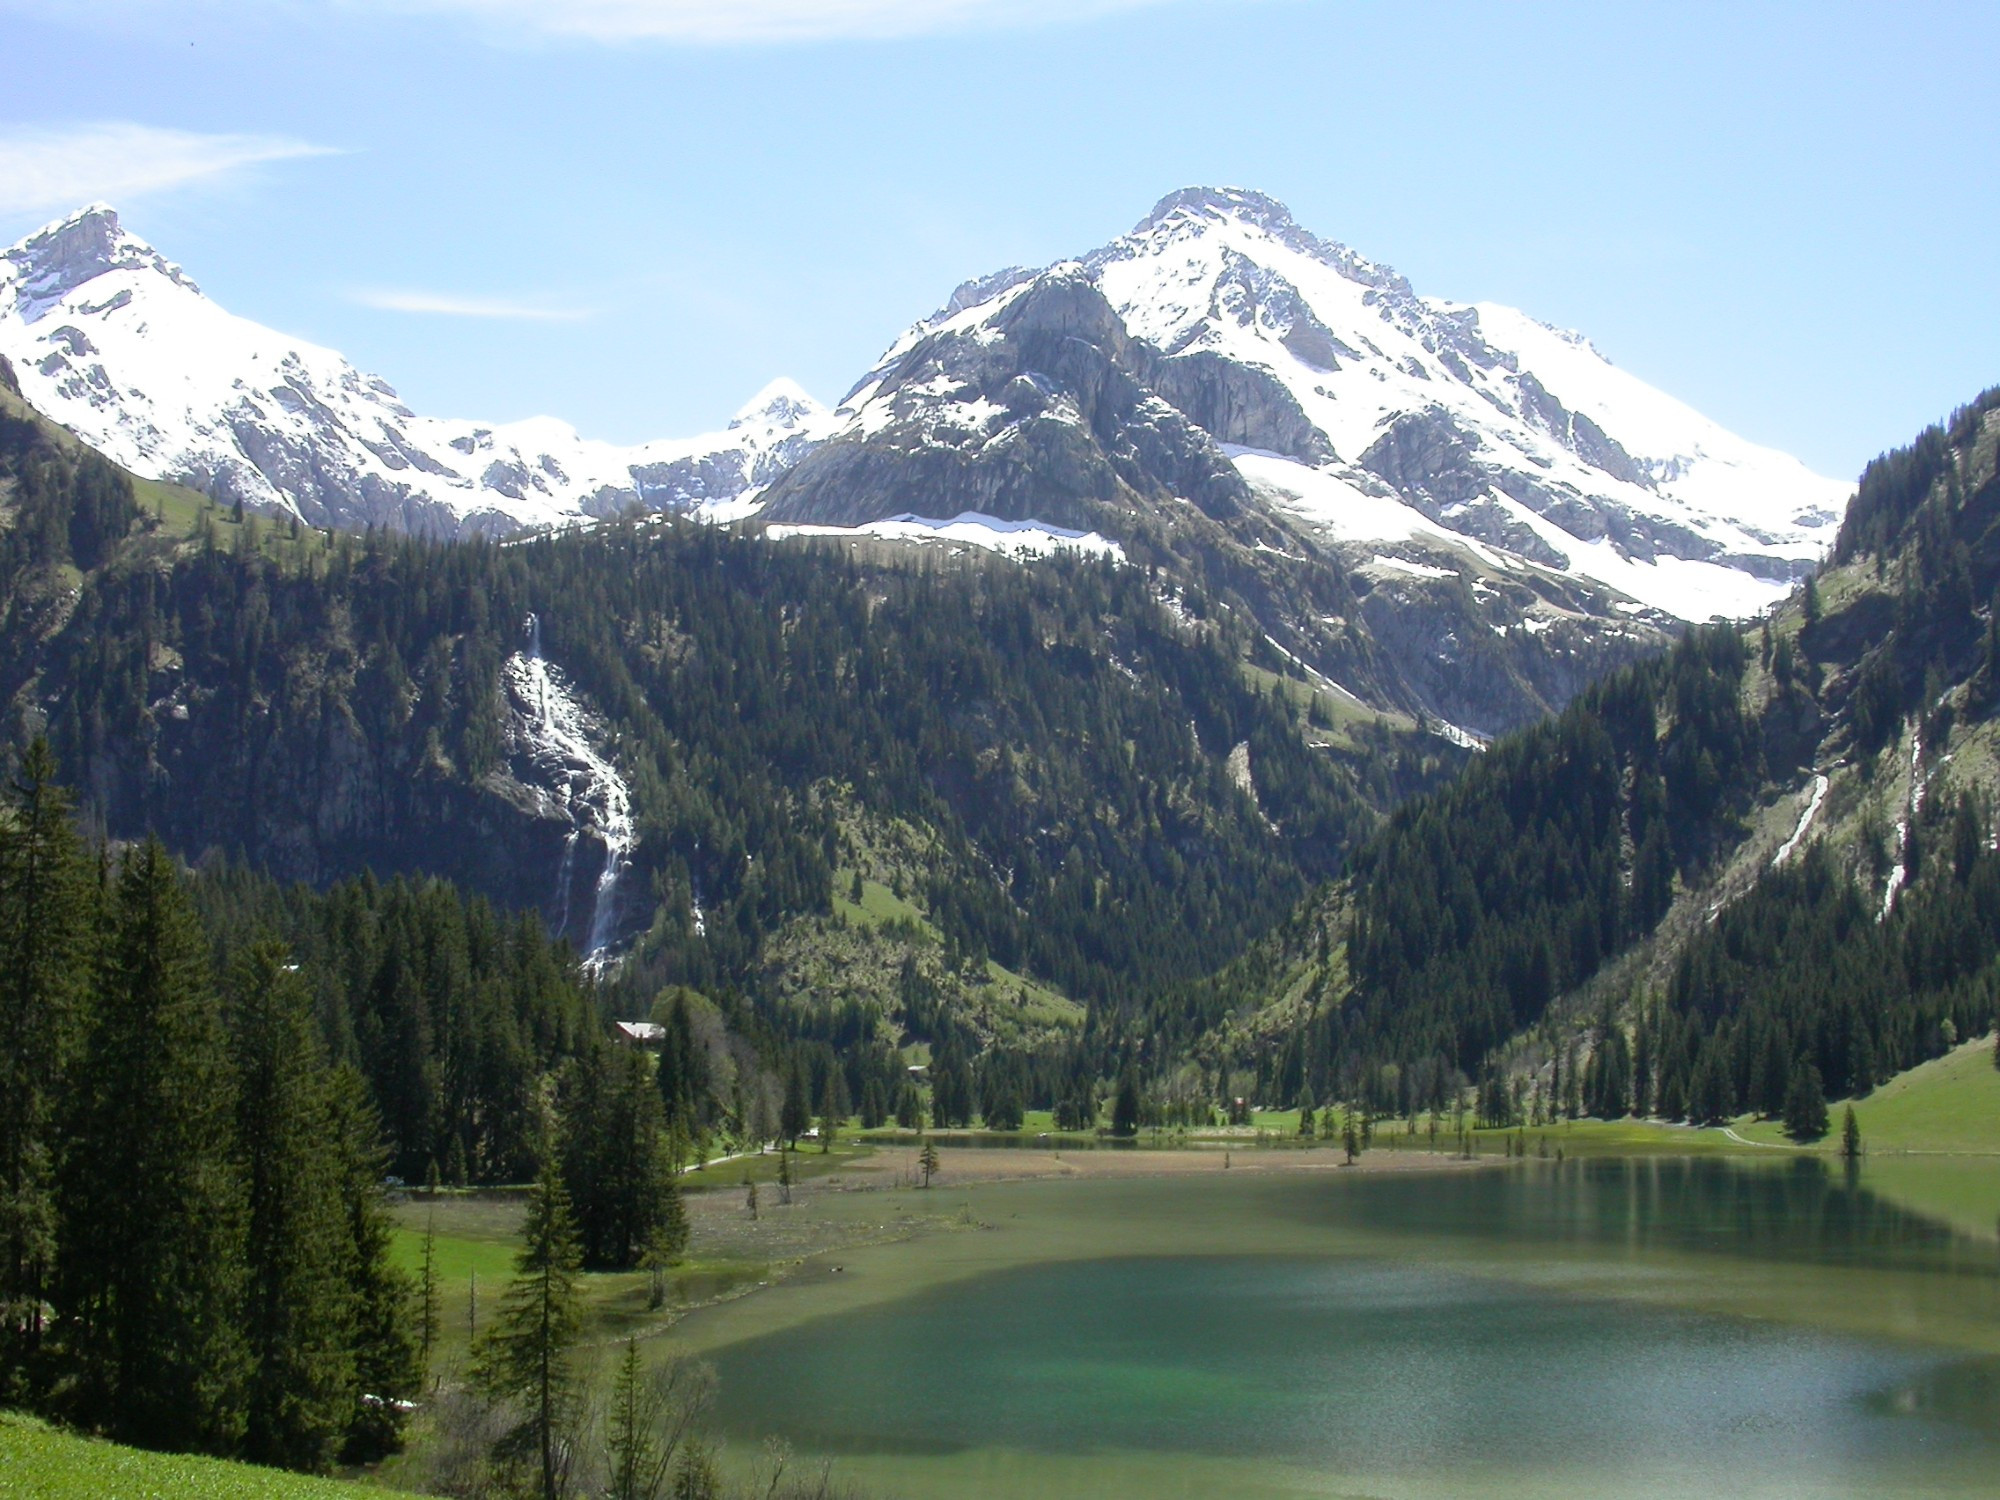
[[969, 528], [1420, 570]]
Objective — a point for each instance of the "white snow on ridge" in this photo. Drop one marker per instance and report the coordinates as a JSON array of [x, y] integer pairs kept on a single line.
[[1324, 500], [115, 342], [1414, 569], [1228, 272], [969, 528], [1521, 426], [1693, 459]]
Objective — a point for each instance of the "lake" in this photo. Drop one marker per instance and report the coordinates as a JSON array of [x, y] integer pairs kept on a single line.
[[1655, 1327]]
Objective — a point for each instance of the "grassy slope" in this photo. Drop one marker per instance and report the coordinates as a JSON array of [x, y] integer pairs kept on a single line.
[[1949, 1105], [38, 1460], [179, 511]]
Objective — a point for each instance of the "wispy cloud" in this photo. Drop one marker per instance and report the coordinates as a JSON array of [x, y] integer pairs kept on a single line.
[[725, 22], [444, 305], [43, 168]]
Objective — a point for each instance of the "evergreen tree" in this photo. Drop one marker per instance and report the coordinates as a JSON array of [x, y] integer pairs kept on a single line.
[[874, 1107], [45, 936], [683, 1069], [1709, 1097], [150, 1283], [794, 1115], [298, 1312], [1125, 1106], [830, 1112], [1003, 1109], [387, 1367], [621, 1185], [696, 1476], [1805, 1104], [1308, 1117], [428, 1300], [1850, 1135], [638, 1469], [928, 1160], [528, 1355]]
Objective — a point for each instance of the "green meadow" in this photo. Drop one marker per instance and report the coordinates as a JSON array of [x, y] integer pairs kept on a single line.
[[40, 1462]]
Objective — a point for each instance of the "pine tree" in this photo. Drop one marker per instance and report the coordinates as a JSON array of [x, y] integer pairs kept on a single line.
[[637, 1468], [527, 1355], [683, 1069], [428, 1301], [1805, 1104], [1850, 1135], [298, 1312], [928, 1160], [45, 937], [387, 1366], [794, 1116], [150, 1282], [874, 1108], [829, 1109], [1125, 1106], [696, 1476], [615, 1166], [1308, 1117]]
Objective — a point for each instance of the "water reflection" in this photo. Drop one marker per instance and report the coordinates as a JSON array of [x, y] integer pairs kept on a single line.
[[1795, 1209]]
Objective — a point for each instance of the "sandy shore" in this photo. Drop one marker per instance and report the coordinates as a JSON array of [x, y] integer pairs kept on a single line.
[[964, 1166]]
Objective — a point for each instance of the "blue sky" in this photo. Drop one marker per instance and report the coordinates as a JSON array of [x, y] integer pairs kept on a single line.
[[632, 213]]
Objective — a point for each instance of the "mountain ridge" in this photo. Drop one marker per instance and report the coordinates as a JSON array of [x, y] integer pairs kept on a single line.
[[315, 426]]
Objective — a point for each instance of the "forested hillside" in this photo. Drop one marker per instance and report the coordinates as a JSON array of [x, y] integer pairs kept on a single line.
[[1076, 787], [1760, 866]]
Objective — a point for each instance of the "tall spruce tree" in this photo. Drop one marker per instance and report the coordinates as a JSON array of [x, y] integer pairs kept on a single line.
[[387, 1368], [794, 1115], [527, 1356], [150, 1283], [299, 1313], [621, 1185], [45, 934], [1805, 1103], [1125, 1105], [830, 1112]]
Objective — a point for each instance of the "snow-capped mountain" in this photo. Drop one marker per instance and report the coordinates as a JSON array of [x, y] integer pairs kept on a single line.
[[1273, 380], [117, 343], [1357, 410]]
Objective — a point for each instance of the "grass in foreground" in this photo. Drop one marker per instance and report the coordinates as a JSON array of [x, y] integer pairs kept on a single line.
[[39, 1460]]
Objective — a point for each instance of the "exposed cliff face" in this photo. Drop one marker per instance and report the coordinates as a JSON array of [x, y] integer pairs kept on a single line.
[[1043, 406], [335, 799]]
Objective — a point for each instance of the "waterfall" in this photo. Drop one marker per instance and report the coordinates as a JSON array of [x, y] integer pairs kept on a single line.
[[555, 731]]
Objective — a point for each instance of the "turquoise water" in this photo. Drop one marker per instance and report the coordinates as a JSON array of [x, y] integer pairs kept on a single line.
[[1415, 1367]]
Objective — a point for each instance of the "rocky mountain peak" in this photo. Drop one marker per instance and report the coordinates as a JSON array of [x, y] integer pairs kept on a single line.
[[1245, 204], [1198, 212], [54, 262], [782, 404]]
